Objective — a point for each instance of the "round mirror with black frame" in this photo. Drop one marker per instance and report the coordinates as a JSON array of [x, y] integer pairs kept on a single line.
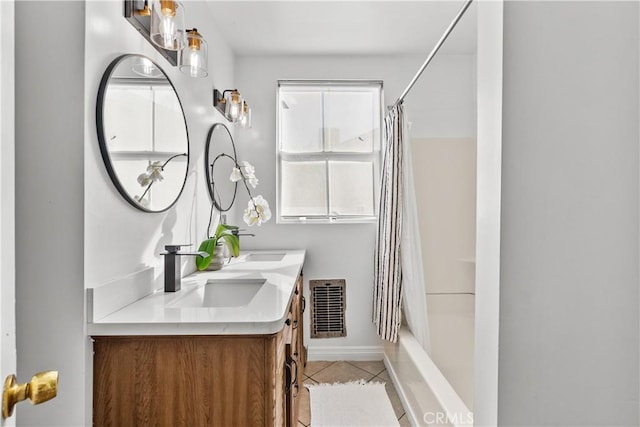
[[220, 159], [142, 132]]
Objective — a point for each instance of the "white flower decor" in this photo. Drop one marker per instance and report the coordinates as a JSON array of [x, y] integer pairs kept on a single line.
[[246, 171], [253, 181], [154, 170], [153, 174], [257, 211], [249, 170], [236, 175]]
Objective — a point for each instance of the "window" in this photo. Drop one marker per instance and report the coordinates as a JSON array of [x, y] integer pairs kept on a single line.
[[328, 150]]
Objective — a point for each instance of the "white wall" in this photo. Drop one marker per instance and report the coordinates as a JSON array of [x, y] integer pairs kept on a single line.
[[441, 104], [73, 228], [442, 113], [443, 147], [569, 264], [445, 185]]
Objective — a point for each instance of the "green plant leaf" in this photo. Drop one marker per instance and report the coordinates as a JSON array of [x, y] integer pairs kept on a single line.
[[224, 235], [208, 246], [224, 229], [232, 242]]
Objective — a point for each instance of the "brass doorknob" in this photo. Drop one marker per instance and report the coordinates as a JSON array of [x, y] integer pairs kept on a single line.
[[42, 387]]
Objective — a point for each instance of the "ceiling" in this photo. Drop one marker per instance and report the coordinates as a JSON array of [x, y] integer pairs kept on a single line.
[[346, 27]]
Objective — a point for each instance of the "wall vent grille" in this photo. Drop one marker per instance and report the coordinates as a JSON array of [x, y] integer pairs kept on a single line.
[[328, 303]]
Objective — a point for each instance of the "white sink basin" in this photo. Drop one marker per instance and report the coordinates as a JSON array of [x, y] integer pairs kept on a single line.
[[276, 256], [222, 293]]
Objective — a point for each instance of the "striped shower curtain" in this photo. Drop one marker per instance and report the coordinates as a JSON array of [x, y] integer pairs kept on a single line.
[[387, 291], [399, 276]]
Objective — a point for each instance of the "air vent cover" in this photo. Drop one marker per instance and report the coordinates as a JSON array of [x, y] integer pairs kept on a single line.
[[328, 302]]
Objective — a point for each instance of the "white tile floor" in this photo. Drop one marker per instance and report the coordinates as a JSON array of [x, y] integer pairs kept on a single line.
[[343, 371]]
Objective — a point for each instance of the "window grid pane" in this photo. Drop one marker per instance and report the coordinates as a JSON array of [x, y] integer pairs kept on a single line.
[[301, 122], [328, 150], [349, 122], [351, 188], [304, 189]]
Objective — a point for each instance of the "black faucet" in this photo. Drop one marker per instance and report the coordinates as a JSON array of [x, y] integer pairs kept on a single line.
[[172, 273]]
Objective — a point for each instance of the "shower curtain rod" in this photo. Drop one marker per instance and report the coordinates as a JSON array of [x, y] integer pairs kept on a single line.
[[433, 52]]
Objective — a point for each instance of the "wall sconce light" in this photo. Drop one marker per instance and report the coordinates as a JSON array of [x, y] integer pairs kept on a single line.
[[245, 117], [229, 103], [161, 22], [167, 24], [233, 107], [193, 56]]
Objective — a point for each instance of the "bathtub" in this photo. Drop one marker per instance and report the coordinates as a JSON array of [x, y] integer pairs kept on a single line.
[[427, 395]]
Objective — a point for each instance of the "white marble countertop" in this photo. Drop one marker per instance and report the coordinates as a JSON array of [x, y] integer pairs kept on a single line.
[[187, 311]]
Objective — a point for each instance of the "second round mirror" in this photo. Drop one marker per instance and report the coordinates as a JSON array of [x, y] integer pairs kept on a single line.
[[220, 159]]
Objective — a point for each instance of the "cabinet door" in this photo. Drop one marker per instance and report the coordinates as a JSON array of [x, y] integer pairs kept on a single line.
[[302, 350], [279, 380], [296, 351], [293, 387], [189, 381]]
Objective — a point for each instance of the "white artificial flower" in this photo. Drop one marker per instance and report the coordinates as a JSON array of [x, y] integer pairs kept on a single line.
[[253, 181], [250, 217], [153, 174], [144, 179], [236, 175], [246, 172], [257, 211], [248, 168], [154, 170]]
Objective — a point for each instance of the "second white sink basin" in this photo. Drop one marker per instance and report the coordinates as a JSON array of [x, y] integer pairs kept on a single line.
[[258, 257], [222, 293]]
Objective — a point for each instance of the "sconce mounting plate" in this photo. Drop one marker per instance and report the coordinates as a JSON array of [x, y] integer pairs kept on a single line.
[[217, 96], [143, 25]]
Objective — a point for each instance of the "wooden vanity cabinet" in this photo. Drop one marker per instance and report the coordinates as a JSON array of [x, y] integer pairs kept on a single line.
[[222, 380], [296, 356]]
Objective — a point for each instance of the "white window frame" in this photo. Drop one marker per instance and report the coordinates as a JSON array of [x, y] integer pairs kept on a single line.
[[375, 156]]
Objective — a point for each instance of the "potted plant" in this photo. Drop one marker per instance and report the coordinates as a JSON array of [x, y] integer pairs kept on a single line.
[[225, 236]]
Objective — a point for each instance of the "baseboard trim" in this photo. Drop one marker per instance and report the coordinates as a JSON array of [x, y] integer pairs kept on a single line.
[[360, 353]]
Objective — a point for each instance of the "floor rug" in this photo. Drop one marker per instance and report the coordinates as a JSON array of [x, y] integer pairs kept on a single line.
[[350, 405]]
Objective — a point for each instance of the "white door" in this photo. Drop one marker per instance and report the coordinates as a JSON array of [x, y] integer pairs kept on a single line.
[[7, 197], [43, 386]]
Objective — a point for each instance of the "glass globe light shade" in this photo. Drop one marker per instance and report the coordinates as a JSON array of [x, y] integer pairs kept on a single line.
[[233, 106], [193, 57], [167, 24]]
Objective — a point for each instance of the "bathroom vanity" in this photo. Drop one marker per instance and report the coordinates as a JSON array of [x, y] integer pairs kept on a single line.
[[226, 350]]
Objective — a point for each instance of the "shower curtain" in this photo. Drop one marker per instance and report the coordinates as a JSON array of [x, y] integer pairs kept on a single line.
[[398, 275]]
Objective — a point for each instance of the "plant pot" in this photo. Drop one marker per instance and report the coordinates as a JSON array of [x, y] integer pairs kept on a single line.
[[217, 260]]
